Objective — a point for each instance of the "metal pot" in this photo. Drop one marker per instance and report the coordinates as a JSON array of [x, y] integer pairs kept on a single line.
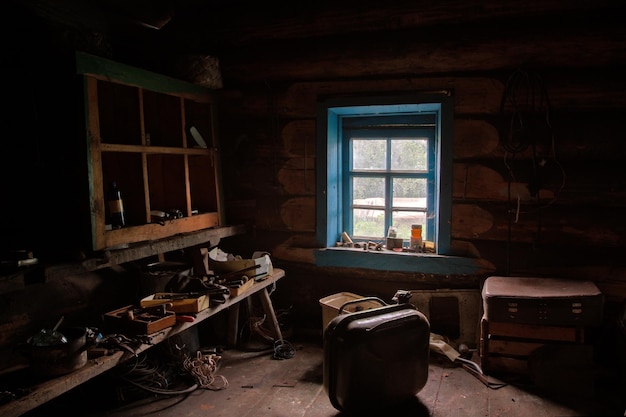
[[156, 276], [60, 358]]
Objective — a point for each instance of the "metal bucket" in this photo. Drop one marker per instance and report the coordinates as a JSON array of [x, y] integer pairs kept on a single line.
[[60, 358], [156, 276]]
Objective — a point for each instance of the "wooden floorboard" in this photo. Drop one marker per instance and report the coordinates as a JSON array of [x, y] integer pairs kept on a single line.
[[459, 394], [261, 386]]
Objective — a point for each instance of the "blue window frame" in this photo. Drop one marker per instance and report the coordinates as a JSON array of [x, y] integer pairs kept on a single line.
[[347, 127]]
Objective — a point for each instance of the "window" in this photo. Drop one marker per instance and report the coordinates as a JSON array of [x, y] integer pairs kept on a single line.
[[388, 175], [385, 162]]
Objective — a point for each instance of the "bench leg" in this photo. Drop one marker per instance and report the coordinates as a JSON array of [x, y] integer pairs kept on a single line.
[[268, 308], [233, 325]]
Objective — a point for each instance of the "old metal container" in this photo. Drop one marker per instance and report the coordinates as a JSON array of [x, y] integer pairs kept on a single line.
[[59, 358]]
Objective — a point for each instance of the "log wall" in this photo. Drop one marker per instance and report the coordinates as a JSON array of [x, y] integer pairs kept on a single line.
[[566, 187], [276, 64]]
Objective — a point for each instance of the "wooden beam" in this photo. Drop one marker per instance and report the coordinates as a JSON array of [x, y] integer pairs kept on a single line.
[[110, 258]]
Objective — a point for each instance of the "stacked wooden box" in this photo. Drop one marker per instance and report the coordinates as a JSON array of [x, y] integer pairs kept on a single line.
[[523, 316]]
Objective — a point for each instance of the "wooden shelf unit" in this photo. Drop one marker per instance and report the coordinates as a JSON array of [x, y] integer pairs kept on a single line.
[[138, 130], [81, 121]]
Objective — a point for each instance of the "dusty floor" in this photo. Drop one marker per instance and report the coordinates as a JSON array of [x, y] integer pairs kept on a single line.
[[256, 384]]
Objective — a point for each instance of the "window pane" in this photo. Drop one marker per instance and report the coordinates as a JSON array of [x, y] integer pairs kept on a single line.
[[368, 223], [369, 154], [403, 220], [409, 154], [409, 192], [368, 191]]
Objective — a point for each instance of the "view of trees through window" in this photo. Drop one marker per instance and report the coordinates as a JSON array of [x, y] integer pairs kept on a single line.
[[389, 181]]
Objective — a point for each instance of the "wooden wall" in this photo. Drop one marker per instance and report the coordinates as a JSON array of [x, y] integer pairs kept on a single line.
[[276, 65], [569, 181]]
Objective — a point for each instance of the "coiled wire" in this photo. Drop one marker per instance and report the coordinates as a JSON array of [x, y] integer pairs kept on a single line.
[[203, 368]]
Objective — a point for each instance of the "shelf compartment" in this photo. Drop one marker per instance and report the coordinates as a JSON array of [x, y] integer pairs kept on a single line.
[[162, 119], [167, 183], [202, 182], [118, 112], [199, 115], [127, 170]]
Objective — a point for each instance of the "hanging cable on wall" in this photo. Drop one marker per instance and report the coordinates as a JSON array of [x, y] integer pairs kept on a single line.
[[274, 127], [526, 124]]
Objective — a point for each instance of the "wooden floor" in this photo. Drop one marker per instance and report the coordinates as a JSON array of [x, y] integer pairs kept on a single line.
[[259, 385]]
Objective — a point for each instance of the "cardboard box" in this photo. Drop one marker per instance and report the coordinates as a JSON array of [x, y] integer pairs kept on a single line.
[[181, 302], [333, 303]]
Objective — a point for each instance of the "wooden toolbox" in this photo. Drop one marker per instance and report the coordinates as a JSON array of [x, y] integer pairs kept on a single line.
[[139, 320], [524, 317], [235, 291], [180, 302], [546, 301], [507, 347]]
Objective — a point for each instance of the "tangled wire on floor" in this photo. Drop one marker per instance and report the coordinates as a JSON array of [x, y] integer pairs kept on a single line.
[[173, 370], [203, 368], [152, 375], [283, 350]]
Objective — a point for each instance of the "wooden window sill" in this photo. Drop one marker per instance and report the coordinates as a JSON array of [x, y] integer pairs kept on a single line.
[[385, 260]]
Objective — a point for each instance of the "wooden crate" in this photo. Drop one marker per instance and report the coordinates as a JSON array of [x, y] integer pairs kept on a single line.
[[240, 290], [189, 304], [121, 320]]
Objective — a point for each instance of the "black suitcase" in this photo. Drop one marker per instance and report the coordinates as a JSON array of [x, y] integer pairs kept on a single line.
[[376, 358]]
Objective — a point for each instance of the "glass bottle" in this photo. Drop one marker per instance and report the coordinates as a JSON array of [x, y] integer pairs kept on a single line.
[[117, 216], [416, 237]]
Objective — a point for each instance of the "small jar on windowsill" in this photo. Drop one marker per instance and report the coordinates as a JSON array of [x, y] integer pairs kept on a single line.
[[416, 238]]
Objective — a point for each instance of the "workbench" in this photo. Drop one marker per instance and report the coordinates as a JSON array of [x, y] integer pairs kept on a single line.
[[54, 387]]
